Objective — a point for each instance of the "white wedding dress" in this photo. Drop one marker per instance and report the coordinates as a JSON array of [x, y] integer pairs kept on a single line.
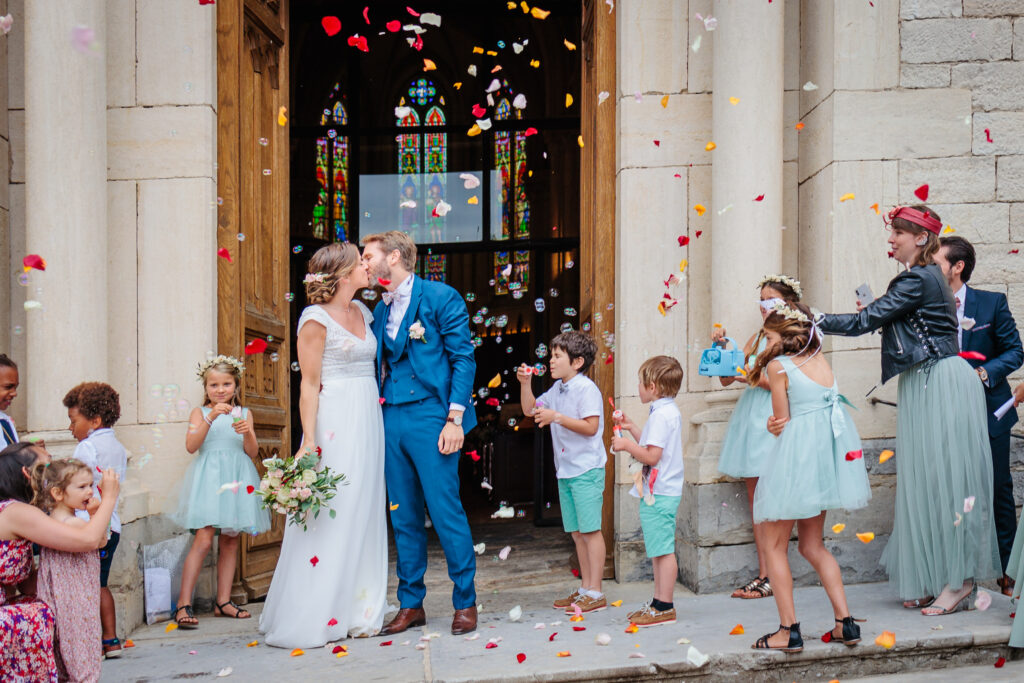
[[331, 581]]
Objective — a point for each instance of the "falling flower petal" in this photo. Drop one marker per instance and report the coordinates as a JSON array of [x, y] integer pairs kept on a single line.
[[441, 209], [282, 116], [314, 560], [331, 25], [737, 630], [359, 42], [664, 102], [431, 18], [579, 140], [503, 554], [710, 146], [33, 261], [847, 197], [682, 265], [972, 355], [170, 627], [866, 537], [799, 125], [854, 455], [700, 209], [297, 652], [516, 613], [759, 198], [875, 207], [696, 44], [808, 86], [538, 13], [948, 230], [968, 504], [225, 254], [885, 455], [529, 131], [428, 64], [983, 601], [734, 101], [6, 22], [520, 657], [683, 240], [886, 640], [838, 528], [568, 45], [922, 192], [564, 653], [602, 96], [257, 345]]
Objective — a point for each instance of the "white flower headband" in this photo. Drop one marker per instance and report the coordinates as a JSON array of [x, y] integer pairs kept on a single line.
[[782, 279], [203, 368], [314, 277], [782, 309]]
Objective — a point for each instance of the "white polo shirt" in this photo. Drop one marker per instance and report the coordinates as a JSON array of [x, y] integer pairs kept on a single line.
[[578, 398], [664, 429]]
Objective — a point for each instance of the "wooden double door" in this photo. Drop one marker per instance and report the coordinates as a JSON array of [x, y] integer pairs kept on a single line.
[[252, 184]]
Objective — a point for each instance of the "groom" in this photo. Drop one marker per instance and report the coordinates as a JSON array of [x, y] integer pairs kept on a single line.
[[425, 368]]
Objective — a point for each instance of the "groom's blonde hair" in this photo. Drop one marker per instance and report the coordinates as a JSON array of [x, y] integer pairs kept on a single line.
[[395, 240]]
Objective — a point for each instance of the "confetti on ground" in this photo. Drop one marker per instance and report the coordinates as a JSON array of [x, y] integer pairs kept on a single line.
[[737, 630], [866, 537], [225, 254], [885, 455], [33, 261], [516, 613], [386, 643], [332, 25], [472, 637], [576, 617], [170, 627], [983, 601], [564, 653], [490, 646], [886, 640], [1000, 662], [617, 603], [253, 643], [338, 648], [710, 146], [968, 504], [129, 643], [683, 641], [226, 671], [503, 555], [632, 628], [696, 657], [847, 197], [838, 528], [922, 192], [297, 652]]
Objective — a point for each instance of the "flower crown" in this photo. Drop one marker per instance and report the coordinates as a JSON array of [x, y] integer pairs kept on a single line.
[[203, 368], [789, 313], [782, 279], [314, 277]]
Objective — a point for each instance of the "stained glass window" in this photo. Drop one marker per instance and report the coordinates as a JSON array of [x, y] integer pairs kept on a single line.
[[521, 270], [330, 210], [502, 271], [434, 267], [422, 162]]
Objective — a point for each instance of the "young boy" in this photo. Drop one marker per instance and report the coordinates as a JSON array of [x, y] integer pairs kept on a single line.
[[8, 391], [93, 409], [574, 409], [659, 447]]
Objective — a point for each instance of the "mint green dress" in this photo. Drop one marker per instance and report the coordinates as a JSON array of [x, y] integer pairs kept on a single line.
[[1015, 570], [222, 460], [807, 470], [747, 440]]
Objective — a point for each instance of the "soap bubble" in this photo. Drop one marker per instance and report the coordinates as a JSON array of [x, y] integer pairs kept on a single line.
[[485, 310], [23, 279], [517, 294], [521, 512], [264, 142], [566, 327], [470, 297], [491, 282], [289, 296], [270, 338], [483, 392], [297, 249], [370, 294], [569, 311], [515, 285], [156, 390], [502, 321], [295, 366], [610, 306], [332, 133], [477, 342], [511, 422], [598, 316], [171, 390], [182, 406], [508, 349], [539, 305], [570, 264], [477, 318], [489, 321], [220, 201], [497, 340], [540, 369], [267, 171], [586, 327], [18, 329], [274, 357], [501, 44], [553, 292], [542, 350], [240, 237]]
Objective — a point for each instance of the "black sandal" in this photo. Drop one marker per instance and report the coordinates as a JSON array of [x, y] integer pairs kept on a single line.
[[219, 612], [796, 643], [851, 632], [188, 615]]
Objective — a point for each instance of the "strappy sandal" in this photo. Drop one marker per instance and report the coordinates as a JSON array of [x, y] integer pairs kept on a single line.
[[796, 643], [189, 614], [219, 612], [762, 589], [918, 603], [851, 632], [964, 604], [749, 587]]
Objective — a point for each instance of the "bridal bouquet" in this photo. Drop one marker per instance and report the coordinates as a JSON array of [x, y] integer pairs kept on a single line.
[[294, 487]]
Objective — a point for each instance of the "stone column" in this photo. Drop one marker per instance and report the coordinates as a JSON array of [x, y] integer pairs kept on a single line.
[[746, 235], [65, 202]]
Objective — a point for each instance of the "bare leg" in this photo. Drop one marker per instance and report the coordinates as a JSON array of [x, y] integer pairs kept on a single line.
[[108, 616], [201, 545], [584, 558], [776, 549], [594, 544], [949, 597], [812, 547], [762, 565], [227, 560], [665, 571]]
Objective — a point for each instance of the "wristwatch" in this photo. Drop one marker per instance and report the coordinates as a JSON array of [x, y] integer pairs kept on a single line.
[[457, 420], [983, 374]]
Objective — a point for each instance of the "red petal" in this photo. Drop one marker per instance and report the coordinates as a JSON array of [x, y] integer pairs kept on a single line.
[[678, 176], [332, 622], [576, 573], [381, 400], [552, 636], [972, 355], [530, 131], [225, 254], [337, 649], [988, 136], [493, 402], [383, 281], [657, 143], [358, 42], [256, 346], [385, 643], [854, 455], [313, 560], [610, 359], [205, 2], [474, 455], [478, 111], [521, 657], [699, 233], [922, 192], [1000, 662], [827, 638], [759, 198], [34, 261], [579, 628], [490, 646], [250, 489], [393, 26], [683, 240], [366, 14], [331, 25], [1014, 251], [411, 11], [418, 43]]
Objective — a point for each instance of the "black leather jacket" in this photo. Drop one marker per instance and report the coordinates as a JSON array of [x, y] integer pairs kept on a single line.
[[917, 315]]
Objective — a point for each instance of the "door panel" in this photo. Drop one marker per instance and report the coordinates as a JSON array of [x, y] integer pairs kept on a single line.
[[253, 188]]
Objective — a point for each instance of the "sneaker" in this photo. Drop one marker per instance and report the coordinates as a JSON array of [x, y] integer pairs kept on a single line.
[[562, 603], [111, 648], [650, 616], [587, 604]]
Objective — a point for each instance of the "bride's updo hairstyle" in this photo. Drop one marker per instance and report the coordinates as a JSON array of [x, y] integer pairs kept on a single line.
[[328, 265]]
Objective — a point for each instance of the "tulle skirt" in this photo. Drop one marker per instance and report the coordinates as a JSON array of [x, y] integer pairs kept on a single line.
[[943, 461], [203, 503], [747, 441], [1015, 570], [331, 580]]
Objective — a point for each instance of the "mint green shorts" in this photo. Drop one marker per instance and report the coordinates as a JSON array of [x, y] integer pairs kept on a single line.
[[658, 522], [580, 499]]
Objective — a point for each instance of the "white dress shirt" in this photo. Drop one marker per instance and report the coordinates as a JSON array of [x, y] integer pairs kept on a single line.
[[664, 429], [101, 451], [961, 296], [8, 427], [579, 398]]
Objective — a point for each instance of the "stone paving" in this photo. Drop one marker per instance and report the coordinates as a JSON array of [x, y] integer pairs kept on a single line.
[[974, 639]]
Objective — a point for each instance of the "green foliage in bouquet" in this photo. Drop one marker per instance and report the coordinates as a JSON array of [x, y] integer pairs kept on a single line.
[[295, 488]]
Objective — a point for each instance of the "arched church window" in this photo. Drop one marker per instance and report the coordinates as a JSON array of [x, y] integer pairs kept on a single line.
[[422, 163], [331, 209], [510, 163]]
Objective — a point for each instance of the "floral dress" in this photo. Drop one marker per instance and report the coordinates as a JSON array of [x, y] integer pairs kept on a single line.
[[70, 585], [26, 623]]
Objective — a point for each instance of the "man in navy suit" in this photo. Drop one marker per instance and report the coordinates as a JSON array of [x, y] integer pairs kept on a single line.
[[425, 368], [987, 328]]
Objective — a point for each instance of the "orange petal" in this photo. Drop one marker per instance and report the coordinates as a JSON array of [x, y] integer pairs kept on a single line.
[[535, 63], [564, 653], [838, 528], [700, 209], [393, 506], [875, 207], [617, 603], [253, 643], [866, 537], [632, 628], [885, 455], [495, 381], [473, 200], [457, 84], [428, 64], [734, 101], [737, 630], [710, 146], [847, 197], [538, 13], [568, 45], [580, 140], [568, 100], [170, 627], [297, 652], [886, 640], [799, 125], [664, 102], [129, 643], [474, 131]]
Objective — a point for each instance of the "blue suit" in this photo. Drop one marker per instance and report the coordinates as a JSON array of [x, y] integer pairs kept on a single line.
[[419, 378], [994, 335]]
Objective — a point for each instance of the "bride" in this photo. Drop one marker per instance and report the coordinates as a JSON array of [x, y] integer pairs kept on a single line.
[[331, 581]]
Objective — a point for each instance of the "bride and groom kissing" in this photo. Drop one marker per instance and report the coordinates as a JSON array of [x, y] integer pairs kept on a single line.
[[387, 398]]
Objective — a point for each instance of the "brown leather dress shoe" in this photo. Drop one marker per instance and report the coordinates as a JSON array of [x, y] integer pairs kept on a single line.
[[1006, 585], [464, 621], [405, 619]]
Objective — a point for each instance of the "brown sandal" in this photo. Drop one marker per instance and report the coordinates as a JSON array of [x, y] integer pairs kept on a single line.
[[763, 589], [748, 588], [188, 615], [219, 612]]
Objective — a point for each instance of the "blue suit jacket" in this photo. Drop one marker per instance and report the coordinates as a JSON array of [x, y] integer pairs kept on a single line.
[[995, 336], [443, 359]]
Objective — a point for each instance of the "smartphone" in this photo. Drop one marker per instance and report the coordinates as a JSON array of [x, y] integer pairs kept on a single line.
[[864, 295]]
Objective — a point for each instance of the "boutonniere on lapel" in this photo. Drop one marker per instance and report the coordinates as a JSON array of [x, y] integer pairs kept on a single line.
[[967, 323], [418, 332]]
